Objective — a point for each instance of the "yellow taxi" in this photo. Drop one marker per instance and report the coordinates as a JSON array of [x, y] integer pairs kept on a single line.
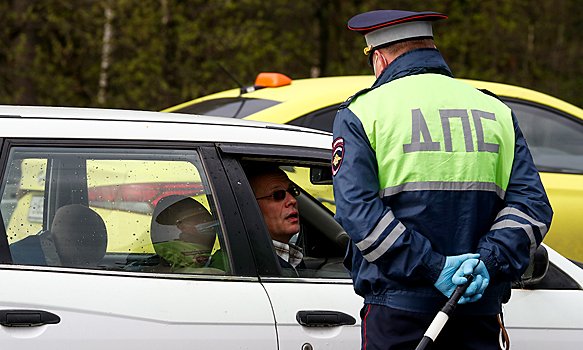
[[553, 129]]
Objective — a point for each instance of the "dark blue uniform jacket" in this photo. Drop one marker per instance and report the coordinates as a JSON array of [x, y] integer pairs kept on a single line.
[[435, 223]]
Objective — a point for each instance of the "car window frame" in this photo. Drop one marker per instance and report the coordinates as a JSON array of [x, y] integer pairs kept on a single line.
[[254, 225], [266, 259], [241, 260], [5, 255]]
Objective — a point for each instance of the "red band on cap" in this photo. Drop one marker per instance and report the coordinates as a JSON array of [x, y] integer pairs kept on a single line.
[[370, 29]]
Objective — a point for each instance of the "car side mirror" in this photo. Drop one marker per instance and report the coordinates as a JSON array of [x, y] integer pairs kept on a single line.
[[536, 271], [321, 175]]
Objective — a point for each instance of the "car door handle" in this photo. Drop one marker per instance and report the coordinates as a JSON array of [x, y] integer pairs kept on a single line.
[[27, 318], [317, 318]]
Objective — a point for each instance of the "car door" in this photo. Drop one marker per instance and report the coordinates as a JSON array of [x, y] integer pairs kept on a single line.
[[315, 307], [89, 260]]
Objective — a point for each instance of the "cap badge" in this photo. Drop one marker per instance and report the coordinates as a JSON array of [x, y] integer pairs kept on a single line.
[[367, 50]]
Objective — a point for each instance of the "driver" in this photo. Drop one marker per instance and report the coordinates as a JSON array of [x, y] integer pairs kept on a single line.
[[276, 196]]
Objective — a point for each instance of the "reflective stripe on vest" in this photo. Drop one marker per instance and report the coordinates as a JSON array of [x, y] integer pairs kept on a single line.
[[437, 133]]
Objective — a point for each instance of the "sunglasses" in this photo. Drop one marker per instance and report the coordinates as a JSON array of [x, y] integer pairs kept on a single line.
[[280, 194]]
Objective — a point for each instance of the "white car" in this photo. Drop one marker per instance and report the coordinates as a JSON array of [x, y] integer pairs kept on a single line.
[[80, 265]]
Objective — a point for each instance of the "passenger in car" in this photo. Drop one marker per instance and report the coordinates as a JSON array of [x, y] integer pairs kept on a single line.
[[193, 244], [276, 196]]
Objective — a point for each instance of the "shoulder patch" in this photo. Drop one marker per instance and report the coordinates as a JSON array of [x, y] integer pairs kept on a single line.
[[337, 154]]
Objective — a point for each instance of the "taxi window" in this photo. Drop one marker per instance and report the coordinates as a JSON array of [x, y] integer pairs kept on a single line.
[[235, 107], [555, 139], [322, 119], [127, 210]]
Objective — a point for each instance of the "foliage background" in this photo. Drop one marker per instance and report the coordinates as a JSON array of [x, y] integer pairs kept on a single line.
[[152, 54]]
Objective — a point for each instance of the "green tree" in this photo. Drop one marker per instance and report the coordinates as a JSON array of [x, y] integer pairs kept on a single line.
[[151, 54]]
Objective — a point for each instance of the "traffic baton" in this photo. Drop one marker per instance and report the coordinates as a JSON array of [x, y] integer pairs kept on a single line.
[[442, 316]]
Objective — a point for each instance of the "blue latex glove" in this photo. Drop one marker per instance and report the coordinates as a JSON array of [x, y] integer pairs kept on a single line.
[[478, 286], [452, 264]]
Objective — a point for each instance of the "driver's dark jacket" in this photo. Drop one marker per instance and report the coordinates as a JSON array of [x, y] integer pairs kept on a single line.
[[421, 227]]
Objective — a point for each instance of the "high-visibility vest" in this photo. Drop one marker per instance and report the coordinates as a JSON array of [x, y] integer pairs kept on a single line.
[[432, 132]]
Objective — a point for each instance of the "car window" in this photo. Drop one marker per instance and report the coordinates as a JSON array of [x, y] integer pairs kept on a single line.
[[232, 107], [554, 138], [322, 119], [127, 210], [320, 238]]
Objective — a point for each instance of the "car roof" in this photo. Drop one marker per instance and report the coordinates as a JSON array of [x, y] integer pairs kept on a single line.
[[512, 91], [116, 124], [300, 96], [306, 95]]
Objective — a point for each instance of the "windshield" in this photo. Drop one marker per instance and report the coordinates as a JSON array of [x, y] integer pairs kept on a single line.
[[232, 107]]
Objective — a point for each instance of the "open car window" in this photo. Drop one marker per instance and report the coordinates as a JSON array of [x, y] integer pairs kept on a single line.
[[321, 239], [112, 209]]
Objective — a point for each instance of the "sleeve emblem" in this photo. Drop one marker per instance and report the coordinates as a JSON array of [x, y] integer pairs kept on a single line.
[[337, 154]]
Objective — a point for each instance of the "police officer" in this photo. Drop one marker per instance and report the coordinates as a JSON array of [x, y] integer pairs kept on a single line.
[[433, 180]]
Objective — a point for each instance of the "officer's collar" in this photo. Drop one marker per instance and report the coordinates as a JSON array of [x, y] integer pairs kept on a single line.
[[416, 61]]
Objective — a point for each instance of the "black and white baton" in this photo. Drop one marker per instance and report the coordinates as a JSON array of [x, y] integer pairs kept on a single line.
[[442, 316]]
